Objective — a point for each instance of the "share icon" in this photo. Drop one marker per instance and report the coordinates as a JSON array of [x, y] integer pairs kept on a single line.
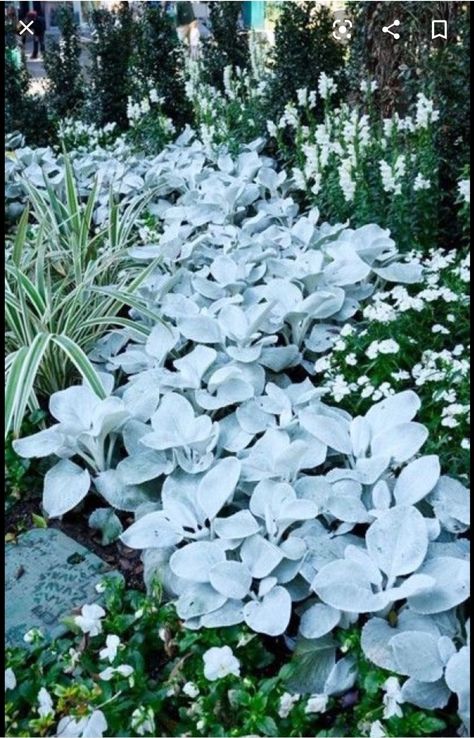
[[386, 29]]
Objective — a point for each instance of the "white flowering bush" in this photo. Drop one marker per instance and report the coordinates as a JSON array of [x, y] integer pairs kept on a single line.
[[257, 500], [412, 336], [356, 167]]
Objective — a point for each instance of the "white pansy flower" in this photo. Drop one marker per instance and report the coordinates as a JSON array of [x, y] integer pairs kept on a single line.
[[219, 662], [123, 670], [93, 726], [10, 679], [190, 689], [143, 721], [89, 619], [316, 703], [377, 730], [32, 635], [286, 704], [392, 698], [45, 703], [464, 188], [111, 647]]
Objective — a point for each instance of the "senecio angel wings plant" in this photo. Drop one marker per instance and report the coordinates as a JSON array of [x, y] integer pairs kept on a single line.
[[255, 500]]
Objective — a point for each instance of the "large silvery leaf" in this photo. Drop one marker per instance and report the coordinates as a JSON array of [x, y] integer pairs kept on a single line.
[[119, 495], [239, 525], [152, 531], [375, 637], [458, 672], [417, 480], [39, 444], [218, 485], [161, 340], [416, 655], [312, 663], [427, 695], [318, 620], [74, 408], [231, 613], [65, 485], [344, 585], [175, 425], [231, 578], [342, 677], [195, 560], [451, 586], [200, 329], [144, 466], [402, 273], [199, 599], [451, 503], [260, 556], [393, 410], [333, 432], [270, 616], [398, 541], [400, 442]]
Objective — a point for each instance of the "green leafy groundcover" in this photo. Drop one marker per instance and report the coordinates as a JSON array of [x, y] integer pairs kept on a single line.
[[163, 688]]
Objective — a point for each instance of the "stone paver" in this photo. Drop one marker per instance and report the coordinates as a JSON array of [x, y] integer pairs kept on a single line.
[[47, 575]]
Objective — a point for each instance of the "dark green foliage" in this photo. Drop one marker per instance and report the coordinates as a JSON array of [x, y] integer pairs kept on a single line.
[[439, 68], [304, 47], [63, 68], [23, 112], [157, 59], [111, 51], [229, 43]]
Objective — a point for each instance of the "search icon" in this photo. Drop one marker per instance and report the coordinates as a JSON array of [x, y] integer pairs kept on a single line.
[[439, 29]]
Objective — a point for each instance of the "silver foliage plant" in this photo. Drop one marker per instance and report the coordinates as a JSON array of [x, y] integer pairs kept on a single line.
[[254, 499]]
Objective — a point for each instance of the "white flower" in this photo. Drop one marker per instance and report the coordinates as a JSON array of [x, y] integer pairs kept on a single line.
[[392, 698], [93, 726], [143, 721], [191, 690], [110, 651], [401, 375], [302, 95], [316, 703], [153, 95], [124, 670], [162, 634], [425, 113], [10, 679], [100, 587], [326, 85], [45, 703], [32, 635], [465, 444], [298, 178], [464, 187], [347, 330], [440, 329], [287, 701], [346, 183], [89, 619], [388, 346], [219, 662], [377, 730], [421, 183], [272, 129], [351, 359]]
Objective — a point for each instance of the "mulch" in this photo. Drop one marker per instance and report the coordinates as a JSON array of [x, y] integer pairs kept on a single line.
[[19, 518]]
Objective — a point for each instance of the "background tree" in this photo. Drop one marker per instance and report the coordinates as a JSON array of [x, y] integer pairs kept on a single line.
[[62, 63], [304, 47], [229, 43]]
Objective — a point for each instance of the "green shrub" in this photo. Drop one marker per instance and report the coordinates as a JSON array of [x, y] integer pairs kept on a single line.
[[304, 47], [157, 62], [24, 112], [110, 82], [63, 68], [228, 45]]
